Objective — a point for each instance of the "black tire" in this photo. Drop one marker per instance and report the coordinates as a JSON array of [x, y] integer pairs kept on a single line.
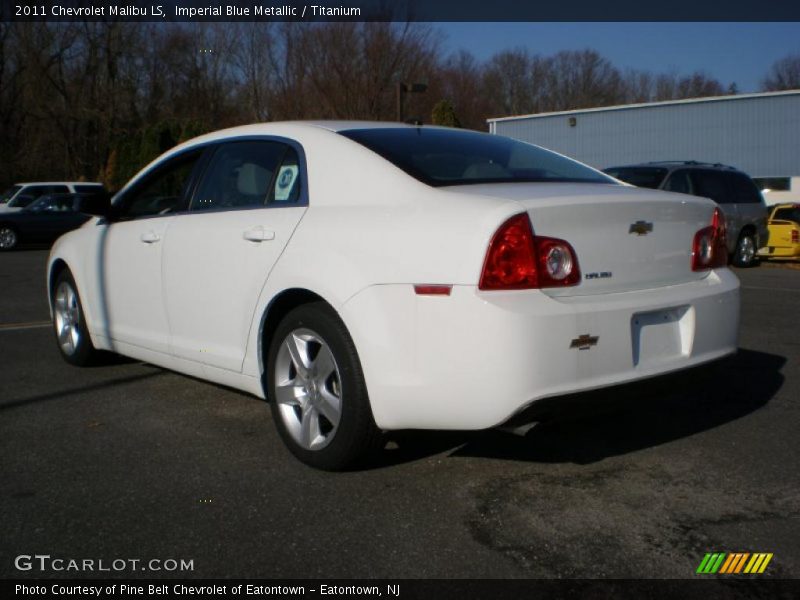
[[745, 253], [81, 352], [355, 437], [9, 237]]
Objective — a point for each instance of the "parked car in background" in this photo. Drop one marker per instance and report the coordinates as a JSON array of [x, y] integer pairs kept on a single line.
[[779, 190], [20, 195], [42, 221], [784, 232], [735, 193], [367, 277]]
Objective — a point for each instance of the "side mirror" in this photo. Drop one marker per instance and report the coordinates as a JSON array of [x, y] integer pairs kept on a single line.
[[97, 205]]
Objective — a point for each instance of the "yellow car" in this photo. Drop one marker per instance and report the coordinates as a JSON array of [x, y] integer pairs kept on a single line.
[[784, 232]]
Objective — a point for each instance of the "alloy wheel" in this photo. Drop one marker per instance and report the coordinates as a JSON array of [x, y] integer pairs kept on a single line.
[[308, 389], [8, 238], [67, 318], [747, 249]]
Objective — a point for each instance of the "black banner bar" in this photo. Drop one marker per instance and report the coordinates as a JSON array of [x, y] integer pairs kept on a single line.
[[398, 10], [702, 588]]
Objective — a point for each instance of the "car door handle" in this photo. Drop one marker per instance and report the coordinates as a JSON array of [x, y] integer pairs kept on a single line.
[[150, 237], [258, 234]]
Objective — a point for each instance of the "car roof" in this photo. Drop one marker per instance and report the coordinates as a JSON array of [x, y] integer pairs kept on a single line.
[[666, 164], [59, 183], [283, 128]]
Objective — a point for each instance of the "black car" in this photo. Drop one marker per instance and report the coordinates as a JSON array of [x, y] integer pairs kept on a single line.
[[42, 221]]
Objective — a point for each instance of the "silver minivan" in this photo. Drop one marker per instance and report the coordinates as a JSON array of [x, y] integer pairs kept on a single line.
[[737, 196]]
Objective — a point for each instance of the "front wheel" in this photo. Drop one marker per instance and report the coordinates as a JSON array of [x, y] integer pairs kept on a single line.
[[317, 391], [69, 321], [9, 238], [745, 254]]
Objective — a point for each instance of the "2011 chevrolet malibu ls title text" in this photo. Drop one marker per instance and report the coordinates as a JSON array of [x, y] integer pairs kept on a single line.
[[366, 277]]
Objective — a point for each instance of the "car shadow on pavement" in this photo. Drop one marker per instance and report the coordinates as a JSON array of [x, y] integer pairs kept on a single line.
[[588, 427], [84, 389]]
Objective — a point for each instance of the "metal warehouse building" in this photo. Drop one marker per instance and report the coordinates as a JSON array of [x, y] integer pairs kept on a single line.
[[757, 133]]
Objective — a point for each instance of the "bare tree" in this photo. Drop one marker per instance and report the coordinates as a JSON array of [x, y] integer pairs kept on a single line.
[[459, 80], [507, 82], [784, 74], [582, 79], [99, 100]]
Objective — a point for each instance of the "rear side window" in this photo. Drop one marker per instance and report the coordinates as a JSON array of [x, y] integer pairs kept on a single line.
[[647, 177], [243, 174], [286, 187], [679, 182], [743, 190], [440, 157], [787, 214], [711, 184]]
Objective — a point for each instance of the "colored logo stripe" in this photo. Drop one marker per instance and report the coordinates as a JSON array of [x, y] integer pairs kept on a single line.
[[734, 563], [711, 563], [758, 563]]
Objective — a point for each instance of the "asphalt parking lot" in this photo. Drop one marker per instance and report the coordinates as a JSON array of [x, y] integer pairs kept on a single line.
[[129, 461]]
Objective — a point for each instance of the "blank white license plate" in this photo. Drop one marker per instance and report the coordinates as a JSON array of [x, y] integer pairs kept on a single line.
[[661, 335]]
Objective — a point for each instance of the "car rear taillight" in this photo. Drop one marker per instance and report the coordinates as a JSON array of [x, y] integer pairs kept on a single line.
[[709, 250], [518, 260], [795, 236]]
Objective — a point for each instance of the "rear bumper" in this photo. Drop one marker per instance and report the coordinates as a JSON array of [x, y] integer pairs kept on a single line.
[[473, 359]]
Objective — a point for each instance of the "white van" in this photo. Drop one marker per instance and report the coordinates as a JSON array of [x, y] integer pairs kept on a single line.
[[779, 190], [19, 195]]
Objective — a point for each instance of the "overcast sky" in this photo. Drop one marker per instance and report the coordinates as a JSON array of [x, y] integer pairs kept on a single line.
[[731, 52]]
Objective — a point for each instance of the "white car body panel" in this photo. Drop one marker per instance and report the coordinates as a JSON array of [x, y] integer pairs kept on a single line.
[[469, 360], [210, 324], [133, 295], [420, 357]]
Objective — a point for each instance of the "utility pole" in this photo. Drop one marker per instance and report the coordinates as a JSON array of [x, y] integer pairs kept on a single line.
[[407, 88]]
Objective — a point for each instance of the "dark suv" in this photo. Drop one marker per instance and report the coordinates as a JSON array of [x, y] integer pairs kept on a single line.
[[736, 194]]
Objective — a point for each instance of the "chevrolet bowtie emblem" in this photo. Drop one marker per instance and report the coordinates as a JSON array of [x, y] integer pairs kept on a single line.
[[640, 228], [584, 342]]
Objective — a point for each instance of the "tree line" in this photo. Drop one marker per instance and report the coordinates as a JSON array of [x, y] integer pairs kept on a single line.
[[97, 101]]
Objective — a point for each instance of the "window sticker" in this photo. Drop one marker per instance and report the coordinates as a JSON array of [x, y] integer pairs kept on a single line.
[[285, 182]]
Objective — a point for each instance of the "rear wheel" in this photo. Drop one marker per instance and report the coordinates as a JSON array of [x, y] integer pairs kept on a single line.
[[69, 322], [319, 399], [745, 253], [9, 238]]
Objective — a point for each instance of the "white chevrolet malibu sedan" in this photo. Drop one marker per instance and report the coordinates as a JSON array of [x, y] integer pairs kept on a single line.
[[366, 277]]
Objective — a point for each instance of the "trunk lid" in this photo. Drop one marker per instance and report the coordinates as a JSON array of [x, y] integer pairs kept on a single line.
[[625, 238]]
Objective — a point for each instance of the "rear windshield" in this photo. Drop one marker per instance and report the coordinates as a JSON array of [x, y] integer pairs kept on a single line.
[[10, 192], [442, 157], [787, 214], [648, 177]]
